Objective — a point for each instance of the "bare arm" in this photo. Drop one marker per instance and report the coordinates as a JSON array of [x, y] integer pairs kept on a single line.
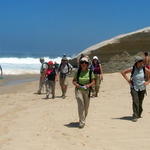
[[74, 81], [101, 70], [147, 71], [90, 84], [124, 74]]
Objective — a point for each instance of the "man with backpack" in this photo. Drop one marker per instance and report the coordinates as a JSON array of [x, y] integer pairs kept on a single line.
[[138, 84], [64, 70], [44, 66], [1, 75]]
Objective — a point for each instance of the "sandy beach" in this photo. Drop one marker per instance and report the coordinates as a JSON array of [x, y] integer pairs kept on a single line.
[[30, 122]]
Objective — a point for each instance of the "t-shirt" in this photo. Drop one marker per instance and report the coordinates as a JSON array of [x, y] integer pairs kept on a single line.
[[96, 68], [50, 74], [138, 79], [65, 68], [84, 77]]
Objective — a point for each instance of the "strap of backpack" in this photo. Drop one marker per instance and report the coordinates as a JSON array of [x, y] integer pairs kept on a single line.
[[90, 75], [132, 72], [78, 74]]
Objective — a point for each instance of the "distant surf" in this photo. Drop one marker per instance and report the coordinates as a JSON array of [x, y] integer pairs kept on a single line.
[[27, 65]]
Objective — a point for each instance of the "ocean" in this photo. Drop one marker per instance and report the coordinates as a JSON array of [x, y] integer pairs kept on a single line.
[[24, 62]]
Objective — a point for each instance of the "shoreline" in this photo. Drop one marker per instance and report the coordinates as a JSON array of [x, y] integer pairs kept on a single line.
[[10, 83], [17, 79]]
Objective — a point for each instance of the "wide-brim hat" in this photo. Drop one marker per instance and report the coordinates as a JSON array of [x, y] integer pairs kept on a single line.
[[138, 59]]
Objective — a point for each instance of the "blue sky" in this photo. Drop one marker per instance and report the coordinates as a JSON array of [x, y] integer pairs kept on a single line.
[[66, 26]]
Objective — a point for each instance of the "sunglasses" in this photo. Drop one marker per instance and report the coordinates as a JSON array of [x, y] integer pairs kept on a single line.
[[84, 62]]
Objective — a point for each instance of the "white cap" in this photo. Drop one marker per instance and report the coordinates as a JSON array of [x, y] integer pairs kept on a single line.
[[95, 57], [84, 59]]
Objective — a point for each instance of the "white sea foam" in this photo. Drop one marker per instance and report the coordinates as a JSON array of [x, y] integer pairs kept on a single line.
[[15, 66]]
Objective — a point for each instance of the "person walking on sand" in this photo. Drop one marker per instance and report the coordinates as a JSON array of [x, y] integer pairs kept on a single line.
[[44, 66], [64, 70], [50, 77], [1, 71], [147, 62], [98, 72], [138, 84], [83, 81]]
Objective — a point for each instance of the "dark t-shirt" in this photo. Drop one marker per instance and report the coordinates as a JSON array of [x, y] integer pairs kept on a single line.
[[50, 74]]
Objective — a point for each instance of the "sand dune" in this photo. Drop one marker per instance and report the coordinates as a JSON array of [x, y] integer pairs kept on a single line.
[[29, 122], [117, 53]]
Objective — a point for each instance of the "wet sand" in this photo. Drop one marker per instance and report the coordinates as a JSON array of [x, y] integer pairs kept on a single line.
[[30, 122], [10, 81]]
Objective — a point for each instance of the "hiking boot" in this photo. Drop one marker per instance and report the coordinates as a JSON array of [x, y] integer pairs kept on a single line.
[[96, 94], [92, 96], [53, 97], [38, 92], [63, 96], [134, 119], [81, 125], [47, 96]]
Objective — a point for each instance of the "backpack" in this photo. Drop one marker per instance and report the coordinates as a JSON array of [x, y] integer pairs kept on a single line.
[[51, 75]]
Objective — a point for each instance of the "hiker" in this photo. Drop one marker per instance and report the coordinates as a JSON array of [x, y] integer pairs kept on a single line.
[[79, 59], [64, 70], [44, 66], [98, 72], [138, 85], [1, 71], [83, 81], [147, 62], [56, 65], [50, 77]]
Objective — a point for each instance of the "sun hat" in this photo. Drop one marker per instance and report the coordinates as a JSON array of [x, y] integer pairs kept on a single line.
[[138, 59], [95, 57], [50, 63], [85, 59]]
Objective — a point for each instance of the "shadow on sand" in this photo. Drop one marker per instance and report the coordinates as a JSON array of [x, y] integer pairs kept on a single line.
[[129, 118], [72, 125]]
